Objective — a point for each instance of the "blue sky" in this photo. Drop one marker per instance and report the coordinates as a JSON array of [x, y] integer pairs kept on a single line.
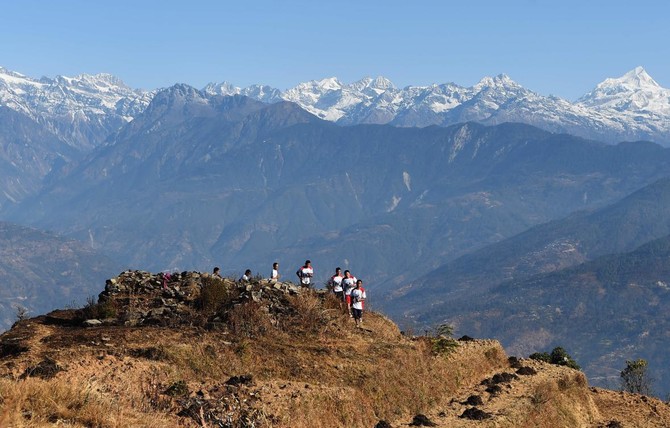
[[562, 48]]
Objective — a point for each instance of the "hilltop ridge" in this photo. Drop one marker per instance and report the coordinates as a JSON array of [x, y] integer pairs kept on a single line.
[[194, 350]]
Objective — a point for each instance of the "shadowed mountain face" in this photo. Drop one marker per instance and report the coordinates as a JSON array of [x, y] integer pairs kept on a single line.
[[198, 180], [606, 311], [28, 153], [556, 285], [41, 272]]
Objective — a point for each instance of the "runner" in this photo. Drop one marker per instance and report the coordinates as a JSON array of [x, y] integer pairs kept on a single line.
[[335, 284], [305, 273], [358, 297], [348, 284]]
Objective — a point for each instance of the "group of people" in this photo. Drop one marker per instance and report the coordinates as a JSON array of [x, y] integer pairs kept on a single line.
[[349, 290], [346, 287]]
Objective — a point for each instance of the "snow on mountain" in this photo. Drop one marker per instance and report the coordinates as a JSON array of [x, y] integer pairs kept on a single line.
[[81, 110], [634, 92], [85, 109], [632, 107]]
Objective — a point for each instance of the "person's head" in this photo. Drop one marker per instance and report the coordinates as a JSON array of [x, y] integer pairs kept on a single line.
[[347, 273], [359, 283], [275, 265], [308, 262], [216, 270], [247, 272], [338, 271]]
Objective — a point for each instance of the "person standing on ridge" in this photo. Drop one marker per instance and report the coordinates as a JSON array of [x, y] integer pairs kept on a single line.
[[274, 277], [305, 273], [358, 297], [335, 284], [348, 284]]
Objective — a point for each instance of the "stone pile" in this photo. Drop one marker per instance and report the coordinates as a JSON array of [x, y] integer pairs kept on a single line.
[[143, 298]]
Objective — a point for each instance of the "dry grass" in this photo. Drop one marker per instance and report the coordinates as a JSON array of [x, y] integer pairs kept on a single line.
[[562, 402], [311, 367], [38, 403]]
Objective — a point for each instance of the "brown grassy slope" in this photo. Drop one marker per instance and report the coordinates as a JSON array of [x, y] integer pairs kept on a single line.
[[308, 366]]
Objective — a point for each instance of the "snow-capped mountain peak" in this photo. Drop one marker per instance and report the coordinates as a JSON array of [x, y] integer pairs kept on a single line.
[[499, 81], [634, 92], [379, 84], [636, 78], [224, 88]]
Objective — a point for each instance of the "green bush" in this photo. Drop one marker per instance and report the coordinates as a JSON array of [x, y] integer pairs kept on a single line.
[[98, 310], [558, 356]]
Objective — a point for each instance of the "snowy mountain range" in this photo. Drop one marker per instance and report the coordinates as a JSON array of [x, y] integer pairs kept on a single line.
[[86, 109], [632, 107], [82, 111]]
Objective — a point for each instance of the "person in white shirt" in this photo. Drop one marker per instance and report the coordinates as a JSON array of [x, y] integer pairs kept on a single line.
[[335, 284], [274, 277], [246, 277], [348, 284], [358, 297], [306, 273]]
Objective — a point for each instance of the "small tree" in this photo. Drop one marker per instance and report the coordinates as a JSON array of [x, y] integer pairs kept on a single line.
[[21, 313], [635, 378], [441, 342]]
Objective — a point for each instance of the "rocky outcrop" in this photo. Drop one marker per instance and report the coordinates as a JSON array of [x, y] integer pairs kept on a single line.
[[143, 298]]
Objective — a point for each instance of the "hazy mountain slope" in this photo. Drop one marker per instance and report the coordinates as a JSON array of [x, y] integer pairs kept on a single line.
[[201, 180], [605, 311], [41, 272], [622, 226], [28, 153]]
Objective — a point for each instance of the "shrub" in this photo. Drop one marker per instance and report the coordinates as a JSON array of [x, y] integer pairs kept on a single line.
[[249, 319], [558, 356], [309, 315], [216, 294], [98, 310]]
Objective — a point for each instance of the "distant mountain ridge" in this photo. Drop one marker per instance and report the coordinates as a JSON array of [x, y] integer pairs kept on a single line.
[[236, 181], [40, 272], [83, 111], [583, 236], [595, 282]]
